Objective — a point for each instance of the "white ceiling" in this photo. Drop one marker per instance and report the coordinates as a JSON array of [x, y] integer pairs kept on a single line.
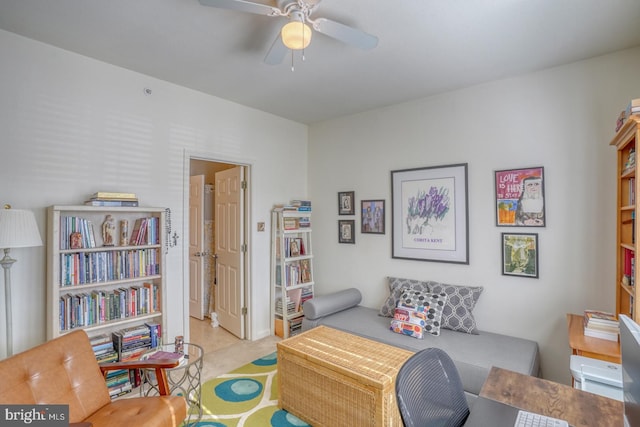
[[425, 46]]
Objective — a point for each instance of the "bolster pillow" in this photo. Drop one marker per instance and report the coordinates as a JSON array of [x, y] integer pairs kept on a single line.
[[328, 304]]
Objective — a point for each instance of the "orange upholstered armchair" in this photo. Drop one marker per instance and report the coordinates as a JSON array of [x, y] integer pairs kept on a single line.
[[65, 371]]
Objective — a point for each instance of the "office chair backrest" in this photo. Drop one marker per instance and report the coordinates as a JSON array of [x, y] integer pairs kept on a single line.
[[429, 391]]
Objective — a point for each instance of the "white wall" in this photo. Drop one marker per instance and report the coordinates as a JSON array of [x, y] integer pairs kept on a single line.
[[561, 119], [72, 126]]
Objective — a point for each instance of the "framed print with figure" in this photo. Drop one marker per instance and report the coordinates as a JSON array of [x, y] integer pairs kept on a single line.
[[520, 254], [346, 231], [372, 216], [430, 214], [520, 197], [346, 203]]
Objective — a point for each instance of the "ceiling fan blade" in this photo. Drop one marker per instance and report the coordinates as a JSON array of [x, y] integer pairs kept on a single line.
[[243, 6], [277, 52], [345, 34]]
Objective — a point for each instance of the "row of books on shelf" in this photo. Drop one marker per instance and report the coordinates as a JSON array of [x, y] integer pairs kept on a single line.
[[112, 199], [629, 272], [295, 298], [295, 273], [307, 293], [123, 345], [100, 306], [96, 267], [78, 232], [293, 247], [145, 231], [632, 108], [292, 307], [601, 324]]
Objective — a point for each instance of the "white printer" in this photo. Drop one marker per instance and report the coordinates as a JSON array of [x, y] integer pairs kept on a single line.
[[597, 376]]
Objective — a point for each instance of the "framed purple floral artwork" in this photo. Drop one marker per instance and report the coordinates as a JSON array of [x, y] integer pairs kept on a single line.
[[430, 214]]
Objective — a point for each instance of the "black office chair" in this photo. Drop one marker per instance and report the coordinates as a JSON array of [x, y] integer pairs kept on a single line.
[[429, 391]]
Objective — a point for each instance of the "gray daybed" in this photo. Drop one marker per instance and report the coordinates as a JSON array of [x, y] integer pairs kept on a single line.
[[474, 355]]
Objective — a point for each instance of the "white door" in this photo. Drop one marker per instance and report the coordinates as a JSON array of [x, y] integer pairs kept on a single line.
[[196, 246], [229, 239]]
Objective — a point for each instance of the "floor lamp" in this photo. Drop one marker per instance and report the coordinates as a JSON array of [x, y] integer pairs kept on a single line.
[[18, 229]]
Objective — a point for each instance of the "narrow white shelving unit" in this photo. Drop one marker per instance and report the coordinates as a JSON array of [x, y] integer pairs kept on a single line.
[[291, 268]]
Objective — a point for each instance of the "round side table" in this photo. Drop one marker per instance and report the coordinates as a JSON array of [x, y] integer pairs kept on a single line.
[[184, 380]]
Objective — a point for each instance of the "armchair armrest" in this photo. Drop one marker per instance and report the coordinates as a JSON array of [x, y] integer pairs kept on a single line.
[[159, 365]]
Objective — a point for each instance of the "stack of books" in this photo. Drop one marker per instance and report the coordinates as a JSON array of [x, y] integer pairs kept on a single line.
[[103, 348], [600, 324], [291, 306], [307, 294], [295, 205], [118, 382], [111, 199], [295, 326], [132, 342], [632, 108], [304, 222], [301, 205]]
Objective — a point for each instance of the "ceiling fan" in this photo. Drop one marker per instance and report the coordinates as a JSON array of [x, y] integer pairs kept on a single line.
[[296, 34]]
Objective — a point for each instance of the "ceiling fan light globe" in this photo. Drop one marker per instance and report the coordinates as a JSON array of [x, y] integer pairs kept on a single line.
[[296, 35]]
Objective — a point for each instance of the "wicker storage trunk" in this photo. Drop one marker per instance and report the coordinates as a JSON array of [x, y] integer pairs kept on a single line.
[[332, 378]]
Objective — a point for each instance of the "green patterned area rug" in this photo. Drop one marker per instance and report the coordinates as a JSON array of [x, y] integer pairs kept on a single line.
[[245, 397]]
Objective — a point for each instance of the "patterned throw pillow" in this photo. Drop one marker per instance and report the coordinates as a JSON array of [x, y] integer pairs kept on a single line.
[[410, 315], [431, 304], [396, 287], [407, 328], [410, 322], [461, 300]]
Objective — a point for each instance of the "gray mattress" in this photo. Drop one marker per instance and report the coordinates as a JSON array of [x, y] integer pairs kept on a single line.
[[474, 355]]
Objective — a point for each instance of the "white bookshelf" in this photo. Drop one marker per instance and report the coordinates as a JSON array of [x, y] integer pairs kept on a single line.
[[291, 269], [106, 270]]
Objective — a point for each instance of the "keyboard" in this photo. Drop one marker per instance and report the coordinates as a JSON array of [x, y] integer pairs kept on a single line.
[[531, 419]]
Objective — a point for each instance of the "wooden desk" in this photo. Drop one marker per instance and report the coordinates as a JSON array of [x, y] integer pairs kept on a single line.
[[579, 408], [595, 348]]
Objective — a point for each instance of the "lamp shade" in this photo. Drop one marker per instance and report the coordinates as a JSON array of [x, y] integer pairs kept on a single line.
[[296, 35], [18, 229]]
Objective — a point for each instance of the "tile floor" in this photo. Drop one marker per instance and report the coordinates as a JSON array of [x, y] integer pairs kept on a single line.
[[223, 352]]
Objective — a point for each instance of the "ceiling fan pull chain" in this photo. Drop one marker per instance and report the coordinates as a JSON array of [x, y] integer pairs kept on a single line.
[[292, 68]]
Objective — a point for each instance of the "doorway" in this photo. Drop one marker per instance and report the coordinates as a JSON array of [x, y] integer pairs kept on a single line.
[[218, 289]]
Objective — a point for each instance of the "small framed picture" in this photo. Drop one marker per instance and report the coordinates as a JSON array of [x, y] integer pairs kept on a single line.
[[346, 202], [75, 240], [372, 216], [346, 231], [294, 247], [519, 195], [520, 254]]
